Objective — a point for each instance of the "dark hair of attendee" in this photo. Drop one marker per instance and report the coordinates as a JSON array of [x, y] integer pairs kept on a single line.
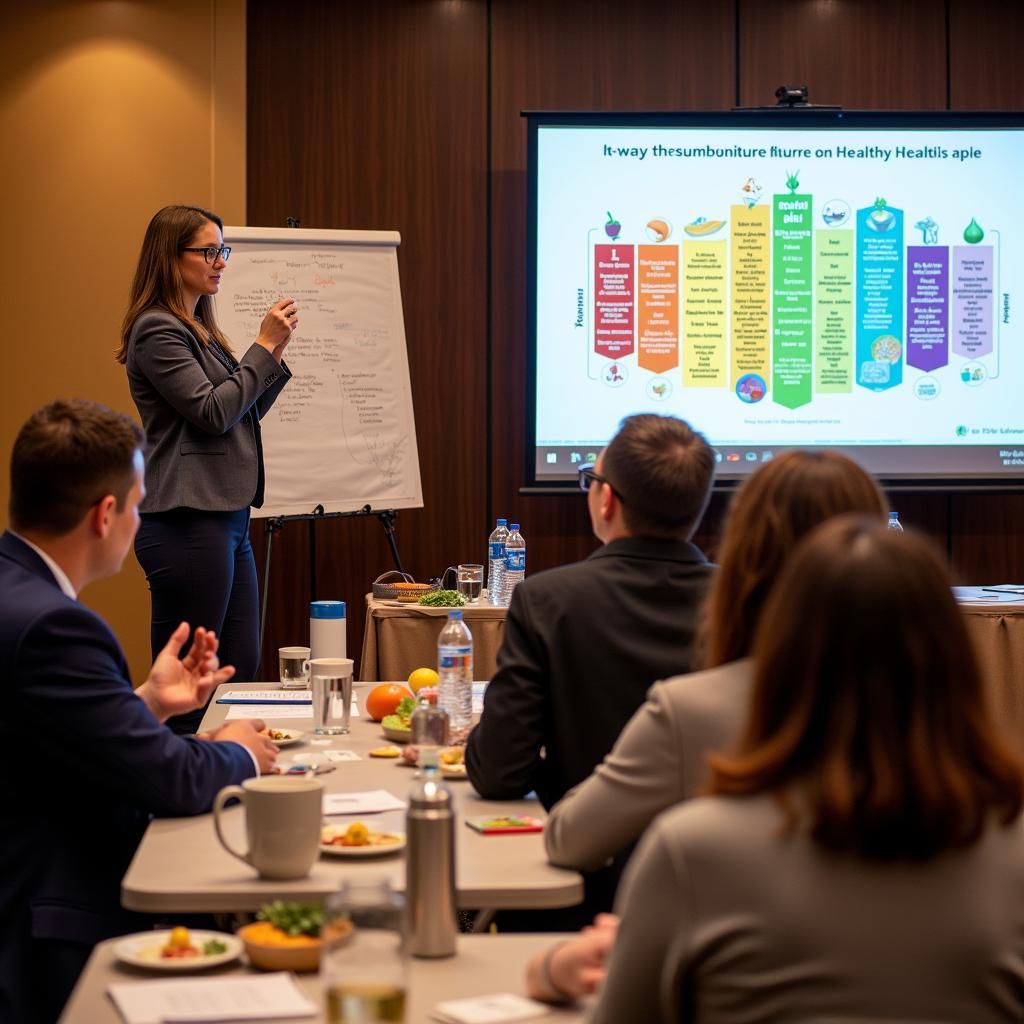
[[770, 513], [868, 718], [157, 281], [67, 456], [661, 469]]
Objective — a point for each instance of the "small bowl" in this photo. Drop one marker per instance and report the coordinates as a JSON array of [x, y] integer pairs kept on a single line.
[[279, 958]]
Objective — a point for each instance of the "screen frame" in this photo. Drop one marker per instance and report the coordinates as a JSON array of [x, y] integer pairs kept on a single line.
[[778, 117]]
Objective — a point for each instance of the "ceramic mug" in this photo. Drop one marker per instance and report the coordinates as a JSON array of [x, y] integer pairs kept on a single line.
[[283, 819]]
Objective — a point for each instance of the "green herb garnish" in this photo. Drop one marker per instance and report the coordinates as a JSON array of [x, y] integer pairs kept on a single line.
[[213, 947], [443, 599], [293, 918]]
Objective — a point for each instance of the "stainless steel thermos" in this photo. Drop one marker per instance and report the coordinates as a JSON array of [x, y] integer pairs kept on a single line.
[[430, 866]]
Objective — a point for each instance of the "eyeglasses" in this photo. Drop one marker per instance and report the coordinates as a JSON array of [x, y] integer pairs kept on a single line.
[[588, 476], [211, 252]]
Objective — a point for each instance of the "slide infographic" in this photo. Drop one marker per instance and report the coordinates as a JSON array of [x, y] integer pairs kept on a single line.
[[780, 288]]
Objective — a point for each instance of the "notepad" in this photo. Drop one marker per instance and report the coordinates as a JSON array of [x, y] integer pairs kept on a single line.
[[266, 697], [372, 801], [174, 1000]]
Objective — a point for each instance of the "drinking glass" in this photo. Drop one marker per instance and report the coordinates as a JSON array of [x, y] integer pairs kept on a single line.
[[470, 581], [293, 669], [363, 963], [331, 686]]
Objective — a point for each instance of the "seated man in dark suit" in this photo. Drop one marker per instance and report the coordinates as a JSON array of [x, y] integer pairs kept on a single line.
[[88, 759], [583, 643]]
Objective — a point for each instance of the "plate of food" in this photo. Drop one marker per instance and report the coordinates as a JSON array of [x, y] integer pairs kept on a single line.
[[283, 737], [356, 840], [178, 949], [396, 735], [452, 762]]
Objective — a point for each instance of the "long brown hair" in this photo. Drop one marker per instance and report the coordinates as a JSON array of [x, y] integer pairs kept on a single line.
[[771, 512], [157, 281], [868, 718]]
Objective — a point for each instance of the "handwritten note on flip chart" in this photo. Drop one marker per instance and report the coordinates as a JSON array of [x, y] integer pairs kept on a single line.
[[342, 432]]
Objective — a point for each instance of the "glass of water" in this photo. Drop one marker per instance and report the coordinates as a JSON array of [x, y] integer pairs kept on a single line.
[[331, 686], [363, 965], [470, 581]]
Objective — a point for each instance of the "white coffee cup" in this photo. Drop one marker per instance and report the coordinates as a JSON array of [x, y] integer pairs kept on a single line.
[[283, 818]]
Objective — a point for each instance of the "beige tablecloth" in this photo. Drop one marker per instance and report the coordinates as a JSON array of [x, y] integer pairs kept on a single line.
[[398, 638], [998, 635]]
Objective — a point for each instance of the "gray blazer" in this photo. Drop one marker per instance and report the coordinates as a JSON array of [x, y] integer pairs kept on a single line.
[[725, 919], [658, 761], [201, 411]]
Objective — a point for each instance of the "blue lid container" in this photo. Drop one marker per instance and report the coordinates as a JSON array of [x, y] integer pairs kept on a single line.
[[327, 609]]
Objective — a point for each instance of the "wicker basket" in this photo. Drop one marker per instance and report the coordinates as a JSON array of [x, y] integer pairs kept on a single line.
[[384, 588]]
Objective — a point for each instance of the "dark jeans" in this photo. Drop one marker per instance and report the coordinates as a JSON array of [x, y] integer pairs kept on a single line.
[[200, 569]]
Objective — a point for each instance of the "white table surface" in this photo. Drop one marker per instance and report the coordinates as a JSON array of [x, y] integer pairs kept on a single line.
[[484, 965], [181, 867]]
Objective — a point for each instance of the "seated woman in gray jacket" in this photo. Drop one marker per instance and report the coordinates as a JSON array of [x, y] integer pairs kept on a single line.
[[861, 855], [660, 757]]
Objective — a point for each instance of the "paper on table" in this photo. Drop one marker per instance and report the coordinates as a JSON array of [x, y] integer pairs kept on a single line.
[[281, 711], [267, 696], [274, 711], [372, 801], [494, 1009], [211, 999]]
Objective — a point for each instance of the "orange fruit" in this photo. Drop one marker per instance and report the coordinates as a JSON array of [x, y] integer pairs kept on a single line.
[[382, 700], [420, 677]]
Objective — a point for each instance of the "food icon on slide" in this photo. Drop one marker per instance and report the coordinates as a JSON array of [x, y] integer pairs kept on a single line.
[[658, 229], [929, 231], [612, 228], [880, 219], [751, 388], [658, 389], [835, 212], [792, 181], [702, 226], [750, 193], [615, 375], [886, 349], [973, 233]]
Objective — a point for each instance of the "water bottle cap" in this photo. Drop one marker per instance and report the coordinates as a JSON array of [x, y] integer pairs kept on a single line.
[[454, 613], [502, 522], [894, 515], [513, 526], [327, 609]]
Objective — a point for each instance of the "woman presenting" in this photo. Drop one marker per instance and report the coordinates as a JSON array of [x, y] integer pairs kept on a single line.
[[201, 409]]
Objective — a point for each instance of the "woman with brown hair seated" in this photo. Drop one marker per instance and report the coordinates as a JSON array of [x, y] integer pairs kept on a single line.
[[860, 856]]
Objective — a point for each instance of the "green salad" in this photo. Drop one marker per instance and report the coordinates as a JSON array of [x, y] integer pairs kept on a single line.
[[293, 918], [403, 712], [443, 599]]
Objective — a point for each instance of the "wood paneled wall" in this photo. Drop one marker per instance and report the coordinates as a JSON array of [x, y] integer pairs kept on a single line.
[[404, 114]]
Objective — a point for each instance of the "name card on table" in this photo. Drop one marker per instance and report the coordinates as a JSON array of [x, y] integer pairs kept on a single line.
[[285, 697]]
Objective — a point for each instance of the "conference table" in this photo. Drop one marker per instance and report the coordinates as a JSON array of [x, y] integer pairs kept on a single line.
[[181, 867], [400, 637], [483, 965]]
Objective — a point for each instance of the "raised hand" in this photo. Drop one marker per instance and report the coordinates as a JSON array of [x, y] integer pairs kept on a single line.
[[176, 685]]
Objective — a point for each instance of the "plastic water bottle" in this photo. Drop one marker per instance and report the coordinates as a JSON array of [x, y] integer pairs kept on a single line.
[[515, 562], [455, 669], [496, 562], [428, 726], [894, 521]]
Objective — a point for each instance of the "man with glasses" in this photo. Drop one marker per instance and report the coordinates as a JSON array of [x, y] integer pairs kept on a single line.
[[584, 642]]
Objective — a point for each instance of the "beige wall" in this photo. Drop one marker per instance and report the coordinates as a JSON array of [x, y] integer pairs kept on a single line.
[[108, 110]]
